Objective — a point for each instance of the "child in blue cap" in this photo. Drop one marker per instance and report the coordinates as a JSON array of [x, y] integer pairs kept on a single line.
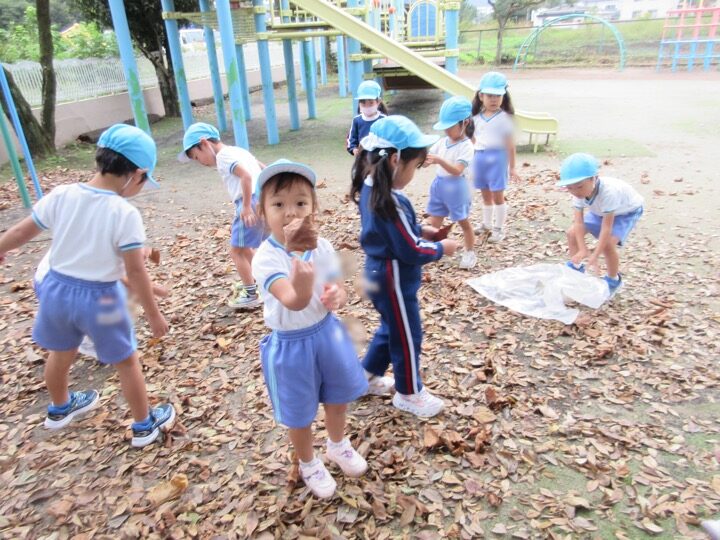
[[238, 169], [308, 358], [450, 194], [370, 109], [395, 247], [493, 111], [605, 207], [97, 237]]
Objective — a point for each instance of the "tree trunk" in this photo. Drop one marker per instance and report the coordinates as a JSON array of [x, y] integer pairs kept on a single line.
[[37, 140], [166, 80], [500, 32], [48, 71]]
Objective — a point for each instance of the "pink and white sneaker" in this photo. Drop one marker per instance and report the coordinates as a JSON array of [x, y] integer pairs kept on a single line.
[[318, 479], [380, 386], [347, 458], [422, 404]]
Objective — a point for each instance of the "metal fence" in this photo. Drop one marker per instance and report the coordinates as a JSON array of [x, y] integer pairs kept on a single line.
[[95, 77]]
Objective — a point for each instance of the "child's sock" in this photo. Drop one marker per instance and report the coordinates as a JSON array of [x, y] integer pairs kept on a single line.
[[500, 215], [487, 216], [311, 463], [615, 277], [335, 445], [145, 424], [60, 409]]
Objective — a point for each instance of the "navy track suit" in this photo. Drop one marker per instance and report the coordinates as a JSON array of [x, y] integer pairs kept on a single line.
[[360, 128], [395, 252]]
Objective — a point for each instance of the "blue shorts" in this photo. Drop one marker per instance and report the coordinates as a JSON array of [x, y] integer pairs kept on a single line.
[[450, 196], [490, 169], [306, 367], [246, 237], [71, 308], [622, 225]]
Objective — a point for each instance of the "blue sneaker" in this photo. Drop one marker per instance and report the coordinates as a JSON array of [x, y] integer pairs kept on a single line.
[[580, 268], [614, 284], [80, 402], [161, 417]]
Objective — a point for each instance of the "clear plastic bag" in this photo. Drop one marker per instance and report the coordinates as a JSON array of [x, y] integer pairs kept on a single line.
[[541, 290]]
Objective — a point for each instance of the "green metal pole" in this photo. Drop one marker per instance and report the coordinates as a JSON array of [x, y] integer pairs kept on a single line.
[[12, 154]]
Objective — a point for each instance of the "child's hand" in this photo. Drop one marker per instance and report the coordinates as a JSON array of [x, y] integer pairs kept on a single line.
[[248, 216], [514, 177], [331, 297], [429, 232], [579, 257], [449, 246], [302, 275], [355, 151], [431, 159], [158, 325], [160, 291]]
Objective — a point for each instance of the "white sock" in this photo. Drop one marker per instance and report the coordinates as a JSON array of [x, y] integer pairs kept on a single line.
[[500, 215], [335, 445], [310, 463], [487, 215]]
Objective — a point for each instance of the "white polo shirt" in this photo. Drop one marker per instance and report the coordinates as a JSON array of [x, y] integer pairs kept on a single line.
[[492, 132], [227, 159], [613, 196], [454, 152], [271, 262], [91, 228]]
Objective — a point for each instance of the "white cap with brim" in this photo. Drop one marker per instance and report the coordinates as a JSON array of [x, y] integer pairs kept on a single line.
[[284, 166]]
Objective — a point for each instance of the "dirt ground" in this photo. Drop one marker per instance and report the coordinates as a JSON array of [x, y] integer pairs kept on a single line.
[[603, 429]]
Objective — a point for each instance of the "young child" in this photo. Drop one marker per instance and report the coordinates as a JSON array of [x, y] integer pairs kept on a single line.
[[450, 193], [238, 169], [309, 357], [97, 237], [371, 108], [613, 210], [395, 248], [492, 111]]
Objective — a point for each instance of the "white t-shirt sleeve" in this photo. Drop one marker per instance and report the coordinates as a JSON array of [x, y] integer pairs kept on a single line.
[[267, 268], [225, 162], [435, 148], [43, 213], [579, 204], [327, 263], [130, 231], [466, 153], [508, 125]]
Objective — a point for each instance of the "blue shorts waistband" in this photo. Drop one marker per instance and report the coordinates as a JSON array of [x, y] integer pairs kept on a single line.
[[77, 282], [490, 150], [304, 332], [438, 177]]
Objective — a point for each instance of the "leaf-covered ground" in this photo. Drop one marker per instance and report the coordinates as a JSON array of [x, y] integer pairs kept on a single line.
[[603, 429]]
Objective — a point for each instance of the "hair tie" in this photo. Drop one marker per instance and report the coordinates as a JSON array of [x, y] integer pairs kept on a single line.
[[383, 153]]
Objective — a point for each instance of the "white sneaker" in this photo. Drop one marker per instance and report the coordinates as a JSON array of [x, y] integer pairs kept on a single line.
[[498, 235], [482, 229], [347, 458], [468, 260], [318, 479], [380, 386], [422, 404], [87, 347], [712, 527]]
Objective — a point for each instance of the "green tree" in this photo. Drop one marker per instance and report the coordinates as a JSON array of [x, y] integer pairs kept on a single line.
[[467, 14], [86, 40], [504, 10], [12, 12], [147, 29]]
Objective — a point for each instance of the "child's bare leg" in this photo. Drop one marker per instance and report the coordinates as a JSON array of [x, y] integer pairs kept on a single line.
[[335, 420], [468, 234], [57, 369], [573, 247], [436, 221], [612, 258], [242, 257], [302, 441], [498, 197], [487, 197], [132, 382]]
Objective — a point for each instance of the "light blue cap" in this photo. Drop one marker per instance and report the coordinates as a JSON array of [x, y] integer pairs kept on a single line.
[[134, 144], [194, 134], [577, 168], [493, 83], [396, 131], [369, 90], [283, 166], [453, 110]]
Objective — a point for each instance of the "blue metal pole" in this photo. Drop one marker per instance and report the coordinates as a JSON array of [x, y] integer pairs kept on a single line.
[[307, 67], [19, 132], [173, 35], [132, 78], [290, 70], [218, 94], [452, 27], [266, 75], [301, 56], [342, 79], [231, 72], [14, 161], [242, 70], [323, 61], [356, 66], [313, 63]]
